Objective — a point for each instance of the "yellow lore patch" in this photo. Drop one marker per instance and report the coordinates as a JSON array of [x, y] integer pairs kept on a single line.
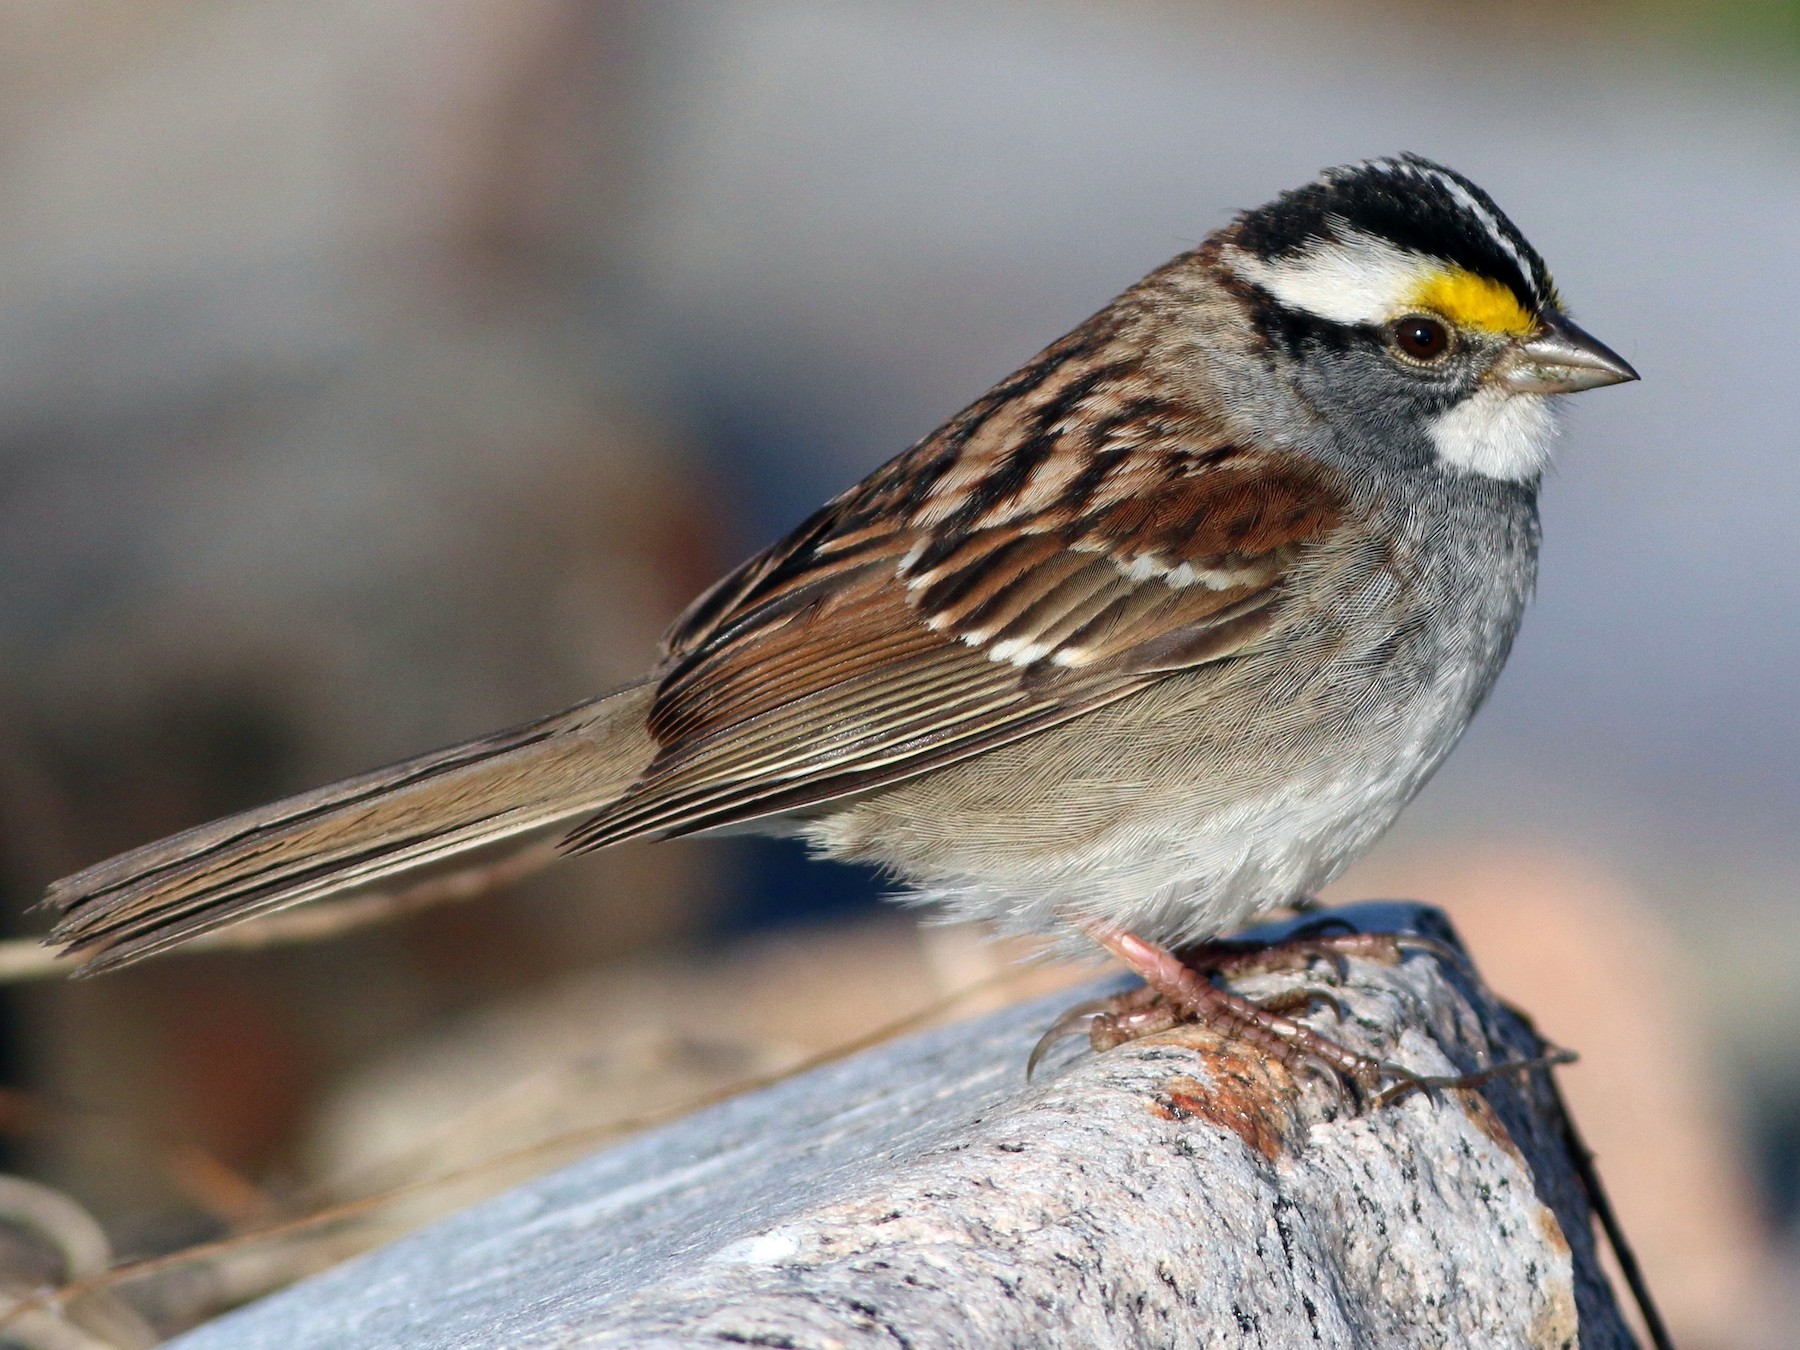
[[1471, 301]]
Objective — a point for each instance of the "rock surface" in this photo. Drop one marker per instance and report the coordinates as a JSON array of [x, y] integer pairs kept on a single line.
[[1172, 1193]]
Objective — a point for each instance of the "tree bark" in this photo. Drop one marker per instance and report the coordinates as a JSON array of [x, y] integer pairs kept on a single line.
[[1175, 1192]]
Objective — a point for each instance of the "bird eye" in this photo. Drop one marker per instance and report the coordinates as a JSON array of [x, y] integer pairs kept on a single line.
[[1422, 338]]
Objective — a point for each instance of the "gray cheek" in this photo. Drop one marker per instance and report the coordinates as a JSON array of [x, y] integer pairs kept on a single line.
[[1368, 399]]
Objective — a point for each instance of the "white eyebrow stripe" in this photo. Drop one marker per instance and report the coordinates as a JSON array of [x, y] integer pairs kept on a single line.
[[1356, 278]]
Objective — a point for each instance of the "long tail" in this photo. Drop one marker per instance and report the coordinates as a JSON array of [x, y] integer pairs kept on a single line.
[[509, 785]]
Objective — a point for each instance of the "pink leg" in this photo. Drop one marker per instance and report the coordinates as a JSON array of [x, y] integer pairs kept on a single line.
[[1232, 1015], [1176, 992]]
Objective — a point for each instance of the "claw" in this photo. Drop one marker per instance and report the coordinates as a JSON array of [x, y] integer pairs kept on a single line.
[[1304, 1000], [1443, 951], [1340, 963], [1401, 1082], [1344, 1084], [1408, 1082], [1072, 1022]]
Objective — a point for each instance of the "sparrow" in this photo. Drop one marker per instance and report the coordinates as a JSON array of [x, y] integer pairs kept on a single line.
[[1156, 635]]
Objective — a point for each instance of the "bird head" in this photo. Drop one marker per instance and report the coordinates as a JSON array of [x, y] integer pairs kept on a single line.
[[1400, 297]]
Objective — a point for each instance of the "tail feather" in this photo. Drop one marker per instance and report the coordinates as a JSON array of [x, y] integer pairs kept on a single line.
[[352, 833]]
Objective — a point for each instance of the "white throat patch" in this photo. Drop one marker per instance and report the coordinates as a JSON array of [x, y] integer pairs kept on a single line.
[[1497, 433]]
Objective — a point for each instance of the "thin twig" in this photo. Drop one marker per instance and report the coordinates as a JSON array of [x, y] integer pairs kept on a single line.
[[1598, 1201]]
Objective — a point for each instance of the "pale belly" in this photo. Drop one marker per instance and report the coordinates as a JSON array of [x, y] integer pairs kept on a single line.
[[1200, 801], [1176, 856]]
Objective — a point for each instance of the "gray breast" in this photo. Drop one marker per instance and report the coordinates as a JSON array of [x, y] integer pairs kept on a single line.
[[1219, 792]]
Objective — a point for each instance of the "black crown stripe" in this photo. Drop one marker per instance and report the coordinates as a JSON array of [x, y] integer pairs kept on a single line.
[[1410, 203]]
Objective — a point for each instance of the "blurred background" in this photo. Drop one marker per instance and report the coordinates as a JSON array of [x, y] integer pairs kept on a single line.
[[377, 372]]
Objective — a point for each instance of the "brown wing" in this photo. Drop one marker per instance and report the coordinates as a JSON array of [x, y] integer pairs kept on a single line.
[[1064, 542]]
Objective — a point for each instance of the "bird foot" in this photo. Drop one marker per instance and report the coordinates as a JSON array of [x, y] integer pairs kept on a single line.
[[1180, 990]]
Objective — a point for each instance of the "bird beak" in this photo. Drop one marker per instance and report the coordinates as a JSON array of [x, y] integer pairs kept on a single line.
[[1560, 359]]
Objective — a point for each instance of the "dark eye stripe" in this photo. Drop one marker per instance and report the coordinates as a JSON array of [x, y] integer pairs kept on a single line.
[[1297, 330]]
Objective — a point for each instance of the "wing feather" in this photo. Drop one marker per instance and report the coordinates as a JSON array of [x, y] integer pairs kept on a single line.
[[971, 593]]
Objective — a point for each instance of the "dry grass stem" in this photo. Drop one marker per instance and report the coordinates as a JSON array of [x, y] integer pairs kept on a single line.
[[319, 1222]]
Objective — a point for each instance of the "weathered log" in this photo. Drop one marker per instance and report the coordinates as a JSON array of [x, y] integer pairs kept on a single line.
[[1174, 1192]]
